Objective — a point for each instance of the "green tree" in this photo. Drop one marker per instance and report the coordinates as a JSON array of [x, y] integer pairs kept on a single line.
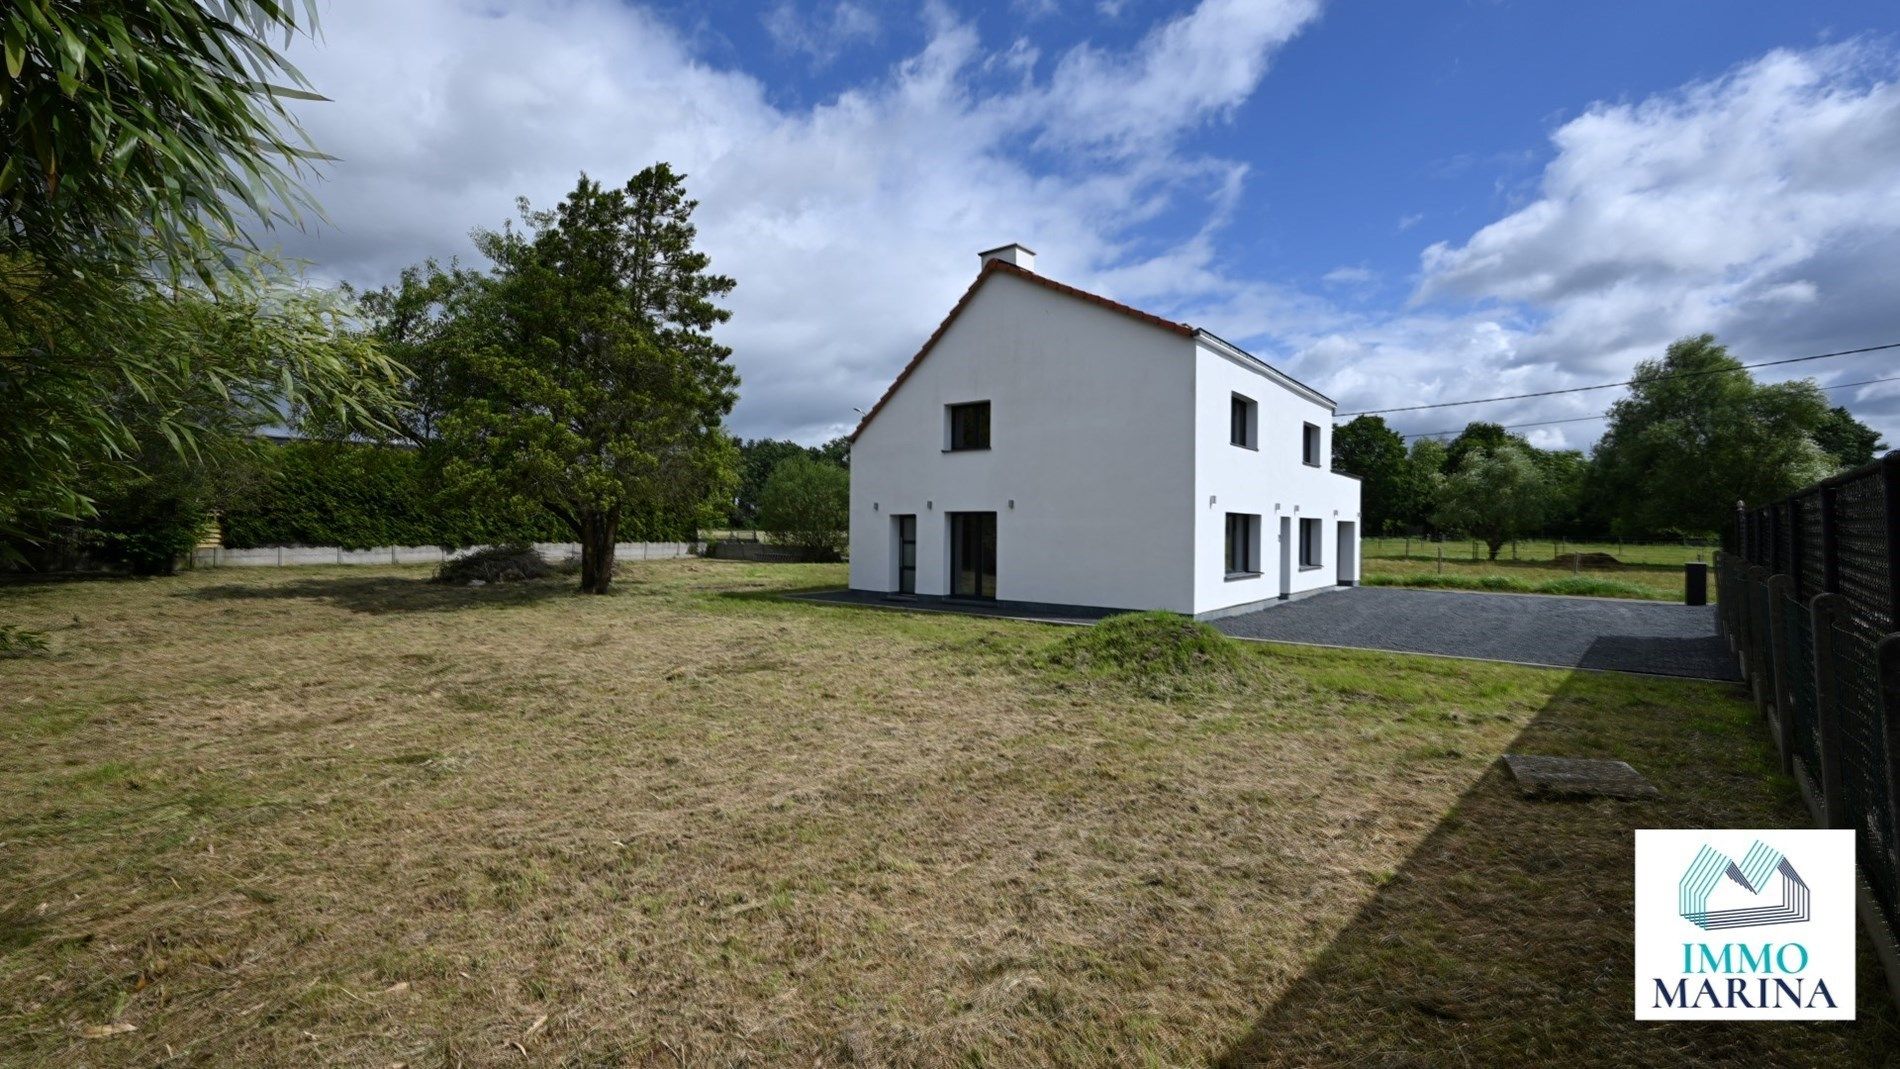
[[153, 128], [807, 503], [595, 385], [1566, 473], [1697, 434], [136, 140], [758, 459], [1479, 438], [1373, 452], [1849, 441], [422, 322], [1418, 487], [1494, 497]]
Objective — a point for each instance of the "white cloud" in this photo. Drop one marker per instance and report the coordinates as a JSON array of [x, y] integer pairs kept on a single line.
[[1349, 275], [1762, 206], [822, 35], [850, 225]]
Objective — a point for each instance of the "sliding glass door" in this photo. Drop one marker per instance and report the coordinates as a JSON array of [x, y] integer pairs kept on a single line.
[[973, 554]]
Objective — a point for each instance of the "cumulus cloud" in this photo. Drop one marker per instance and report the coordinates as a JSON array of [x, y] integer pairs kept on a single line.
[[851, 225], [1763, 206]]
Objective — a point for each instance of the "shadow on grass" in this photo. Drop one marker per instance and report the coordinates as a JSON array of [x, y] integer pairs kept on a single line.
[[1506, 937], [379, 595]]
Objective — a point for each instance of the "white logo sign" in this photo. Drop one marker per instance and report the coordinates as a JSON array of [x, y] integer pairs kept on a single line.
[[1744, 925]]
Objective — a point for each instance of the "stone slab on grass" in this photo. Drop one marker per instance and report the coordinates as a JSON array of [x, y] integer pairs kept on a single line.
[[1576, 777]]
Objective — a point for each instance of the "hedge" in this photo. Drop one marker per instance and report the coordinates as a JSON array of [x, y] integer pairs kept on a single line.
[[359, 495]]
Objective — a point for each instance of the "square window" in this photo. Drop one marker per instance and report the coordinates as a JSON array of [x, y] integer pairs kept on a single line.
[[1243, 422], [1309, 543], [1243, 545], [1310, 445], [969, 425]]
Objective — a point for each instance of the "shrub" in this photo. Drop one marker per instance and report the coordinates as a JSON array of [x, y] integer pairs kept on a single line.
[[1160, 653], [496, 564], [807, 503]]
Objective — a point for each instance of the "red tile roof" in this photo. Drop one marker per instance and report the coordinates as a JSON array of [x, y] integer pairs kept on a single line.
[[995, 267]]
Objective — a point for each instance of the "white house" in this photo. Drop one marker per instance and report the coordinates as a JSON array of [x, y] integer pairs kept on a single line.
[[1050, 446]]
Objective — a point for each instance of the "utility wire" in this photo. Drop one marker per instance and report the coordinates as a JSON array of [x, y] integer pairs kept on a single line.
[[1628, 382], [1605, 415]]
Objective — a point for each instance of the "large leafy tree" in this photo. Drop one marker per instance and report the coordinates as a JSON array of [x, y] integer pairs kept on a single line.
[[595, 386], [1494, 496], [1697, 434], [1373, 452], [1849, 441], [136, 142]]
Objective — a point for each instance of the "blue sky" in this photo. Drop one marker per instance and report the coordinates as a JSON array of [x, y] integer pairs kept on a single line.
[[1399, 202]]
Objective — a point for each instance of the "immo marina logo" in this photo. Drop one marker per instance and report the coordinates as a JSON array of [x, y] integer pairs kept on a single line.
[[1744, 925]]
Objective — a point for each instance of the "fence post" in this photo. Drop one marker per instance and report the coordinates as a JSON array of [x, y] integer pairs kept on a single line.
[[1782, 718], [1824, 608]]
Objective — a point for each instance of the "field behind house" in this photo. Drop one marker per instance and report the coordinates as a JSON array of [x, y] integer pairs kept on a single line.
[[346, 816], [1644, 571]]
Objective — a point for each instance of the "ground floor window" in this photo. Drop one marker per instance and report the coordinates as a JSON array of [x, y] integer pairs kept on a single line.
[[1309, 544], [1243, 544]]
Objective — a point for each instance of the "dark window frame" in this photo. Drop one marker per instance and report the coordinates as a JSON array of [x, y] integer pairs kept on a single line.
[[1243, 421], [1311, 444], [1242, 546], [965, 422], [1312, 548]]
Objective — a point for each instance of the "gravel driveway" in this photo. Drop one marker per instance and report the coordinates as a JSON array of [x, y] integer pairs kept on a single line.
[[1623, 636]]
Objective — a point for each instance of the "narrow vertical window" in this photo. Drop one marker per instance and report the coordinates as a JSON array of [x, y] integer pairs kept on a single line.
[[1309, 543], [1310, 445], [1243, 422], [1243, 545]]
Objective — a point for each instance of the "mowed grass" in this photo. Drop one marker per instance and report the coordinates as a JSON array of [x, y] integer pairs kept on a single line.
[[348, 817], [1645, 582]]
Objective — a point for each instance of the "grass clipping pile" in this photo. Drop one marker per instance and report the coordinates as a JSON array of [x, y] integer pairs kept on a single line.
[[1158, 653], [496, 564]]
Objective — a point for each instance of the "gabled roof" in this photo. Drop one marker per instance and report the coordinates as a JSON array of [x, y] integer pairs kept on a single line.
[[999, 267]]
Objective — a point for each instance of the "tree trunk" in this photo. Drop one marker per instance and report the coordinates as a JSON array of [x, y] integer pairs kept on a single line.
[[1495, 546], [598, 534]]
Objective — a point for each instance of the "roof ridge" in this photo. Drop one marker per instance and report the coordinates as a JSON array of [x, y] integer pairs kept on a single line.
[[991, 267]]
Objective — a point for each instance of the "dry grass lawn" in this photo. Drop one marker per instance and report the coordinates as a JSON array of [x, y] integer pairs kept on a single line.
[[345, 816]]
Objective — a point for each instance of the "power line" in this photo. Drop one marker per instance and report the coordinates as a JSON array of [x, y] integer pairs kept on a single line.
[[1628, 382], [1605, 415]]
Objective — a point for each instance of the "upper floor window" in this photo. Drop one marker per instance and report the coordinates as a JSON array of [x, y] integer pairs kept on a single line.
[[1243, 423], [969, 425], [1310, 445]]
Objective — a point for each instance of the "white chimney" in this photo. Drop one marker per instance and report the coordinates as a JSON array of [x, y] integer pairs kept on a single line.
[[1017, 255]]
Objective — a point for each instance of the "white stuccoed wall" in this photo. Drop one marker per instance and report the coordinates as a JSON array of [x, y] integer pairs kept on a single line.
[[1273, 482], [1110, 435], [1089, 412]]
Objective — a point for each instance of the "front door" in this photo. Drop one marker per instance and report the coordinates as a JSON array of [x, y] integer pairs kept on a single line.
[[1286, 556], [973, 554], [906, 554]]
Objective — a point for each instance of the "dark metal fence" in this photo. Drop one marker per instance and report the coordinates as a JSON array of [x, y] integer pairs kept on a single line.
[[1807, 597]]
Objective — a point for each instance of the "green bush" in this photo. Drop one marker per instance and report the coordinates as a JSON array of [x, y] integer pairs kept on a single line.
[[807, 503], [1161, 653], [358, 496]]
